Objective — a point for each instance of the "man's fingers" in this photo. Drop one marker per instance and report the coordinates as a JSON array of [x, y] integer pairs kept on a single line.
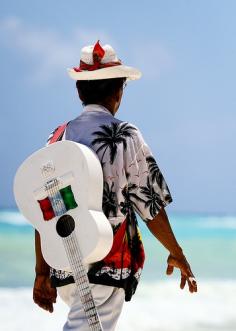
[[44, 295], [169, 269], [46, 306], [193, 281], [44, 303], [183, 282], [50, 308], [186, 272], [192, 284]]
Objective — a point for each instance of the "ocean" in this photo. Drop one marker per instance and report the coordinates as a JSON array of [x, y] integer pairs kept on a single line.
[[209, 243]]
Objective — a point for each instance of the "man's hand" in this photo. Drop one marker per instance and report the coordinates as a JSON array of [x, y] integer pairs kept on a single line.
[[186, 272], [43, 294]]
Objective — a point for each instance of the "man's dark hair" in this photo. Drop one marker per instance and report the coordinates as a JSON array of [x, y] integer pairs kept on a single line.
[[98, 90]]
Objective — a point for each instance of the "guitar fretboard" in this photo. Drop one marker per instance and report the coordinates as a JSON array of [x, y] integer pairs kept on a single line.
[[82, 282]]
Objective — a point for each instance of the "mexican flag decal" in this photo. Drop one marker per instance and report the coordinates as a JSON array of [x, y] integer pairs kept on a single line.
[[65, 195]]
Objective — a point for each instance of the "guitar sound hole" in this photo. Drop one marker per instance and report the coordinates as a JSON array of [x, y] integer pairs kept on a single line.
[[65, 226]]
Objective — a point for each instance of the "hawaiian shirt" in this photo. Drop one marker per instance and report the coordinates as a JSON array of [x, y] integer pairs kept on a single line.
[[133, 183]]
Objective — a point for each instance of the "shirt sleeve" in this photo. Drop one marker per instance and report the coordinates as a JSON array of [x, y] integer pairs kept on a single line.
[[148, 190]]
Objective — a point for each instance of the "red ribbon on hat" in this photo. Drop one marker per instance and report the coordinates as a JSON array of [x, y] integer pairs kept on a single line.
[[98, 54]]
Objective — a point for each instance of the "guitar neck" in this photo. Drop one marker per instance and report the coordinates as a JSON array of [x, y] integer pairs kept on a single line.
[[81, 281]]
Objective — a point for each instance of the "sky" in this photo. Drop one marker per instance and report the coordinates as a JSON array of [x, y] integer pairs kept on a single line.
[[184, 104]]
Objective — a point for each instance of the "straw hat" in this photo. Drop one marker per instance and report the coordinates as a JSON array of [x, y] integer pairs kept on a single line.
[[99, 62]]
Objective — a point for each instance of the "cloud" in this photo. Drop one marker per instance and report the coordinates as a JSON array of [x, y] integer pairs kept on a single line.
[[49, 51]]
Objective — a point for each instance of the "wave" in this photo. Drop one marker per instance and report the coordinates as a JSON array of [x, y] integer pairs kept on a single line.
[[157, 306], [223, 222], [183, 222], [13, 217]]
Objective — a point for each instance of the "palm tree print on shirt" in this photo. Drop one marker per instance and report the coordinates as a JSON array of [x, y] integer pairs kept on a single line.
[[155, 172], [128, 205], [156, 175], [109, 202], [153, 202], [111, 136]]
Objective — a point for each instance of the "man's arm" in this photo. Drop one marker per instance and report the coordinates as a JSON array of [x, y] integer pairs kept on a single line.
[[160, 227], [41, 266], [43, 294]]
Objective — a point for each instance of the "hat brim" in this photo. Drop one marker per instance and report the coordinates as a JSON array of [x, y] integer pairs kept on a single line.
[[106, 73]]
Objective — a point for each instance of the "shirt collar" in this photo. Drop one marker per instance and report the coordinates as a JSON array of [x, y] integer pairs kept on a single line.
[[98, 108]]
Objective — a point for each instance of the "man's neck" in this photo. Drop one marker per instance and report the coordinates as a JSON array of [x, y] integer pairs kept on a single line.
[[109, 107], [97, 107]]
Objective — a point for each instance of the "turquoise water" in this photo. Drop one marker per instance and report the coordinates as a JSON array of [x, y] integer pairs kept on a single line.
[[209, 242]]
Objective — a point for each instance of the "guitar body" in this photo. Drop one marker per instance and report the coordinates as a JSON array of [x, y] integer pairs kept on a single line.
[[65, 178]]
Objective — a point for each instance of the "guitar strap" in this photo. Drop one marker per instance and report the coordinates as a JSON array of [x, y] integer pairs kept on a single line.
[[58, 134]]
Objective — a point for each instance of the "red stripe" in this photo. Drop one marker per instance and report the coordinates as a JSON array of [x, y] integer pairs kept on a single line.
[[46, 208], [90, 67], [58, 134]]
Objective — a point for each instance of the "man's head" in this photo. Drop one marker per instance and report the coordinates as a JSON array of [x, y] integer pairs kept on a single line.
[[105, 92], [100, 76]]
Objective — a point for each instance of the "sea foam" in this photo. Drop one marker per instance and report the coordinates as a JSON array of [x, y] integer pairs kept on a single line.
[[159, 306], [12, 217]]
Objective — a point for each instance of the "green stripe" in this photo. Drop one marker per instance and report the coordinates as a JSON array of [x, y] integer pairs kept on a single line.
[[68, 197]]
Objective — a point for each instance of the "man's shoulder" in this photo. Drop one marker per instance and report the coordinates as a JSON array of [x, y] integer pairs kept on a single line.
[[136, 132], [127, 124], [126, 129]]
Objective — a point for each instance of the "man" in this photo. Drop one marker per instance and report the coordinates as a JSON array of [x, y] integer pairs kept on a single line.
[[133, 183]]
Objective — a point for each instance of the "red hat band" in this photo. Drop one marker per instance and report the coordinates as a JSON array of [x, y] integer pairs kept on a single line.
[[98, 54]]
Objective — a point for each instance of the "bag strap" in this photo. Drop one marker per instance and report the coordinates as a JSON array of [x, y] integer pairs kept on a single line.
[[57, 135]]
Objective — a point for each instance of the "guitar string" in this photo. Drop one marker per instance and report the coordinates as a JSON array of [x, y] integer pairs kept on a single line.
[[88, 305], [91, 314], [82, 280], [84, 275], [84, 289]]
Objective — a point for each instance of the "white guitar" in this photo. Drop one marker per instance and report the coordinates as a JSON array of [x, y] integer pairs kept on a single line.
[[59, 190]]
